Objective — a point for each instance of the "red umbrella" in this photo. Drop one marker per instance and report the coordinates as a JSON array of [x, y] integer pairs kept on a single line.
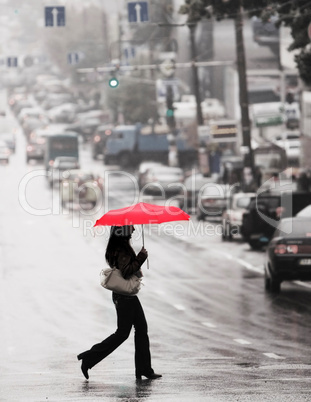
[[140, 214]]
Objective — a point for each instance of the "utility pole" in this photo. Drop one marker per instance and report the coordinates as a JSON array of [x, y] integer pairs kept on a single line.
[[192, 26], [245, 121]]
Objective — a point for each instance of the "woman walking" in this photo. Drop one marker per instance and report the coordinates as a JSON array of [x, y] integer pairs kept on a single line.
[[120, 254]]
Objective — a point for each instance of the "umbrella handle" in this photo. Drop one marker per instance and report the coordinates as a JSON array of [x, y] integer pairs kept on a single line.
[[144, 244]]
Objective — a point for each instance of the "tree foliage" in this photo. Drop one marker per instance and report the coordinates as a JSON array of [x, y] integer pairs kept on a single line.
[[136, 101], [295, 14]]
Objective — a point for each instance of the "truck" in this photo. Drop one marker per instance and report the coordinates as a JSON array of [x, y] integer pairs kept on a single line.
[[60, 144], [129, 145]]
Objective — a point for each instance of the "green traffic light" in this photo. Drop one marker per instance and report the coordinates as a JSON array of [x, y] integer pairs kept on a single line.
[[113, 82], [170, 113]]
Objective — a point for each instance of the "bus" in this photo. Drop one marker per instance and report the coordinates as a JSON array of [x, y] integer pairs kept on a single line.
[[60, 144]]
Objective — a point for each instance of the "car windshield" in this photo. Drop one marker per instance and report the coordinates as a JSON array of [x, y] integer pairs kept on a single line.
[[81, 177], [269, 160]]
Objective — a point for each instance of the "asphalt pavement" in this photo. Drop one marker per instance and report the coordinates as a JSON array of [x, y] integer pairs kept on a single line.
[[215, 334]]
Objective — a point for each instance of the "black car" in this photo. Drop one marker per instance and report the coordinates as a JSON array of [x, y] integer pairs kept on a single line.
[[99, 140], [269, 207], [288, 255]]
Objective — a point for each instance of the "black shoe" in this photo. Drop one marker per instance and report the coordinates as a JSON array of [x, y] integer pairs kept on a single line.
[[84, 370], [81, 356], [151, 376]]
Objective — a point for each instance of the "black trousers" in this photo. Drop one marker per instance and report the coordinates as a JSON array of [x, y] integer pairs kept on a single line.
[[129, 313]]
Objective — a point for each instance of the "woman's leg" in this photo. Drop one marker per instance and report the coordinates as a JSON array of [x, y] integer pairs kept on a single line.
[[142, 351], [125, 317]]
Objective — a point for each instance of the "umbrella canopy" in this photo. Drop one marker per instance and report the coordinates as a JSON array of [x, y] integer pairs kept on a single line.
[[142, 213]]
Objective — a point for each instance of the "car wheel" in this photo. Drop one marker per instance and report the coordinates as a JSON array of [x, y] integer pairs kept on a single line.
[[267, 281], [125, 159], [200, 217], [255, 245], [226, 235], [275, 285]]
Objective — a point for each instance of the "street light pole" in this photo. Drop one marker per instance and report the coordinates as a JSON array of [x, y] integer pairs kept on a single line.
[[192, 27], [245, 121]]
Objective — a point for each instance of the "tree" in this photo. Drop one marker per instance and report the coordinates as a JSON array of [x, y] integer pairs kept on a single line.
[[296, 14], [134, 99], [199, 9]]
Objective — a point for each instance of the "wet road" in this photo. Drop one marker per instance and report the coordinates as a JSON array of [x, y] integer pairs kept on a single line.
[[215, 335]]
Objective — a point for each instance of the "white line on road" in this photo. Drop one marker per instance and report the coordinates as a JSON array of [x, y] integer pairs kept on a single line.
[[242, 341], [306, 285], [209, 325], [179, 307], [273, 356]]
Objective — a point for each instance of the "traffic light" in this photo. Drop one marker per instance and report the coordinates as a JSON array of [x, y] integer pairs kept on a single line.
[[113, 82], [170, 118]]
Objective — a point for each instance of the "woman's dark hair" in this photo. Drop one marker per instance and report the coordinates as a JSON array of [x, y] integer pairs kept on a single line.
[[119, 239]]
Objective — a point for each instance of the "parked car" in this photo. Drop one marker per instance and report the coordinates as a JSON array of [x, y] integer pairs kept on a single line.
[[61, 165], [288, 255], [232, 217], [10, 140], [212, 200], [31, 112], [99, 140], [31, 125], [4, 152], [286, 137], [56, 99], [65, 113], [81, 187], [161, 179], [22, 104], [291, 142]]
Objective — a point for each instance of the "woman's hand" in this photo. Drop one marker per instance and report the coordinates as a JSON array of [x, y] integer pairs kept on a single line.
[[144, 251]]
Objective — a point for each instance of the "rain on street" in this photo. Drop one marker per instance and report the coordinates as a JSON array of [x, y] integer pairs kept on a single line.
[[217, 332]]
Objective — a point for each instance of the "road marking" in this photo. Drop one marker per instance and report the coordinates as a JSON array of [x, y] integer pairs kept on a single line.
[[243, 263], [209, 325], [179, 307], [306, 285], [242, 341], [273, 356]]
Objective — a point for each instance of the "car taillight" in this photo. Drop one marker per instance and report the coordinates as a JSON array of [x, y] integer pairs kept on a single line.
[[292, 249], [96, 138], [280, 249], [286, 249]]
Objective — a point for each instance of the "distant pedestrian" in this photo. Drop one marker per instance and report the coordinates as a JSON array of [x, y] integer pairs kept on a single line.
[[120, 254]]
